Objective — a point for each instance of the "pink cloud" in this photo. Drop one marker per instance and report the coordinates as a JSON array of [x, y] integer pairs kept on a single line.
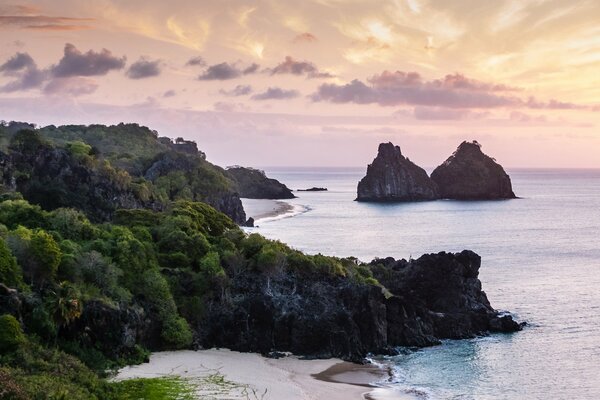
[[453, 91]]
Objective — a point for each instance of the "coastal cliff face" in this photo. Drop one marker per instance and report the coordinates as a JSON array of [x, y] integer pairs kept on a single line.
[[392, 177], [469, 174], [254, 184], [436, 297]]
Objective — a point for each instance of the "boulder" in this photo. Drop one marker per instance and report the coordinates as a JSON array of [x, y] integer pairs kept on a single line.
[[469, 174], [393, 177]]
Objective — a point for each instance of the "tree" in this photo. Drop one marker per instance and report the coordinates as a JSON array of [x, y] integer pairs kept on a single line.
[[11, 334], [66, 304], [37, 252], [10, 273]]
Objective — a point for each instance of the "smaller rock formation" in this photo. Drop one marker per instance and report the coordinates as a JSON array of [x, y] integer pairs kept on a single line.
[[313, 189], [469, 174], [393, 177], [252, 183]]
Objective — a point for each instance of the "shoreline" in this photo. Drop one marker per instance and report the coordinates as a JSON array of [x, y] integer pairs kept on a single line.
[[225, 374], [266, 210]]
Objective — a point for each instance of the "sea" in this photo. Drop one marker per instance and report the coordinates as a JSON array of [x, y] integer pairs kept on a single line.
[[540, 261]]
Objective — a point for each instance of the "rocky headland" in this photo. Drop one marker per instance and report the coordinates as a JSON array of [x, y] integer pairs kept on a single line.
[[252, 183], [469, 174], [393, 177]]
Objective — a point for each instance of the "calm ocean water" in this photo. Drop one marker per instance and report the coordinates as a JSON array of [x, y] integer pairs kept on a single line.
[[540, 260]]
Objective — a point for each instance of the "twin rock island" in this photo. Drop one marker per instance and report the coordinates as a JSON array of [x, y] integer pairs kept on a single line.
[[468, 174]]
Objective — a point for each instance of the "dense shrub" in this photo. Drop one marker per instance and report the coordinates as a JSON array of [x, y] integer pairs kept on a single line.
[[11, 334]]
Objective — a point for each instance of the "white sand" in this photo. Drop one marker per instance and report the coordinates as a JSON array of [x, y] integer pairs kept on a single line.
[[225, 374], [264, 208]]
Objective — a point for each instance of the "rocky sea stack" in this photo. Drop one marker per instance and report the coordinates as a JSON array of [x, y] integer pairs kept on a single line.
[[393, 177], [469, 174]]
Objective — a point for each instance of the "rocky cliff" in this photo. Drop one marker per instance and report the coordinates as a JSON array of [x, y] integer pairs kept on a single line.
[[254, 184], [393, 177], [469, 174], [435, 297]]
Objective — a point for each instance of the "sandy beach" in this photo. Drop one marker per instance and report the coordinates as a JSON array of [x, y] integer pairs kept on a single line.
[[264, 209], [224, 374]]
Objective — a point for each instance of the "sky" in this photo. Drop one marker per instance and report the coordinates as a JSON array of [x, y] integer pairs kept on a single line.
[[316, 82]]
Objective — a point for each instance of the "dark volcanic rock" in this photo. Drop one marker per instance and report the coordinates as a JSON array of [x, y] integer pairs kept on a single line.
[[254, 184], [313, 189], [471, 175], [435, 297], [392, 177]]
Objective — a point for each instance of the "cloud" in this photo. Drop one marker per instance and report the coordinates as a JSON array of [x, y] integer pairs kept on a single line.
[[144, 68], [17, 63], [445, 114], [306, 37], [239, 90], [74, 86], [169, 93], [28, 17], [224, 106], [76, 63], [251, 69], [196, 61], [522, 117], [225, 71], [22, 67], [409, 88], [275, 93], [28, 79], [553, 104], [295, 67]]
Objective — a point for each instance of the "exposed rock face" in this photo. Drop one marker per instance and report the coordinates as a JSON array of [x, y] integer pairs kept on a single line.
[[392, 177], [254, 184], [435, 297], [469, 174]]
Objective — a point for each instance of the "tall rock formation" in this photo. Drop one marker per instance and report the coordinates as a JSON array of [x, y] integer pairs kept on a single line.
[[469, 174], [393, 177]]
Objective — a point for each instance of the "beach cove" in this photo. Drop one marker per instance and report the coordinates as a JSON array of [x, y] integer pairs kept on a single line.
[[223, 374]]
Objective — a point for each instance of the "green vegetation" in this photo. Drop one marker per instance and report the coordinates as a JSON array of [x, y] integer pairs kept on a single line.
[[68, 283], [165, 388]]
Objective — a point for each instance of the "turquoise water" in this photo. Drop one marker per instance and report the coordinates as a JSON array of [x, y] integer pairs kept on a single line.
[[540, 260]]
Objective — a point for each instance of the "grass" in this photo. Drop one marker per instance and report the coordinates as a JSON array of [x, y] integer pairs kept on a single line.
[[164, 388]]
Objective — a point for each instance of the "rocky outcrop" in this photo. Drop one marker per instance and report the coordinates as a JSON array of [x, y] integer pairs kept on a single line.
[[313, 189], [435, 297], [469, 174], [393, 177], [201, 181], [254, 184]]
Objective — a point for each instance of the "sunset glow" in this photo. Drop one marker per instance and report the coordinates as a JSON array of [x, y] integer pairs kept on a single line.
[[318, 82]]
